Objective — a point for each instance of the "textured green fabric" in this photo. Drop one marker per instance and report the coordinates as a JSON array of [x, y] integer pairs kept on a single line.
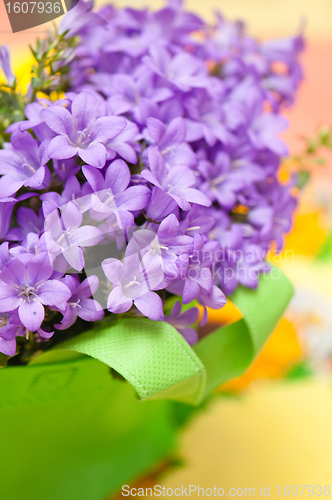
[[229, 351], [151, 355], [156, 360]]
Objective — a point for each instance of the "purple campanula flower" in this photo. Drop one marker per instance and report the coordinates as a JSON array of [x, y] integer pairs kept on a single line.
[[132, 283], [122, 144], [221, 183], [5, 65], [184, 70], [79, 19], [72, 192], [65, 237], [197, 221], [35, 120], [170, 142], [126, 93], [197, 281], [264, 133], [10, 328], [165, 244], [80, 303], [250, 265], [274, 219], [26, 287], [28, 222], [65, 169], [112, 194], [4, 255], [284, 49], [205, 119], [181, 322], [22, 163], [161, 205], [6, 209], [177, 182], [81, 132]]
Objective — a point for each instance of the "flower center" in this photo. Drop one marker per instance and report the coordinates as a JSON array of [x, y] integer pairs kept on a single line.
[[3, 322], [28, 292], [75, 304], [132, 283], [83, 136], [29, 169]]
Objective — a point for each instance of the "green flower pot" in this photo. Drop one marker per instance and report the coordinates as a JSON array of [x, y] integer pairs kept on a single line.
[[73, 432]]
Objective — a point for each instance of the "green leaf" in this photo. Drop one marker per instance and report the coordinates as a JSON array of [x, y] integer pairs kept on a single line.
[[36, 82], [303, 178], [325, 252], [299, 371]]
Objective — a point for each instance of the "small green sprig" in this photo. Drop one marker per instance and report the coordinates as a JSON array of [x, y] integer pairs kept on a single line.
[[52, 56], [11, 109], [49, 73], [311, 156]]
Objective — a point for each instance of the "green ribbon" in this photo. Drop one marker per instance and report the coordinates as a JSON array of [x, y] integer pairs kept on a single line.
[[160, 364]]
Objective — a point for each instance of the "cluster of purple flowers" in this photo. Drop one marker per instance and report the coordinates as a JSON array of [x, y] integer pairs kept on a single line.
[[155, 175]]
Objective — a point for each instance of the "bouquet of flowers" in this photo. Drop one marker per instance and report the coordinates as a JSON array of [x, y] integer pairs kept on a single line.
[[139, 188]]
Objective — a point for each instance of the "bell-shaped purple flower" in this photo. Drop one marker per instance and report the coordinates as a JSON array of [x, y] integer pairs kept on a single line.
[[112, 194], [132, 283], [10, 328], [6, 209], [181, 322], [170, 142], [65, 237], [177, 182], [81, 132], [26, 287], [80, 303], [23, 163], [28, 222], [5, 65], [183, 70]]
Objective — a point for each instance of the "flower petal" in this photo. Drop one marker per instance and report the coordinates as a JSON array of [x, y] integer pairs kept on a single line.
[[150, 304], [85, 109], [94, 155], [90, 310], [117, 176], [87, 288], [117, 302], [53, 293], [86, 236], [39, 268], [114, 270], [8, 347], [31, 314], [60, 148], [58, 119], [74, 257], [134, 198], [8, 298]]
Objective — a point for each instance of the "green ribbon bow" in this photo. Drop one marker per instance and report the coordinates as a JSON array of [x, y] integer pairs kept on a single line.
[[160, 364]]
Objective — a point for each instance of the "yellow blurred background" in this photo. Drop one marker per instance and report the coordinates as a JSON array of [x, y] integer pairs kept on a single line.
[[270, 431]]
